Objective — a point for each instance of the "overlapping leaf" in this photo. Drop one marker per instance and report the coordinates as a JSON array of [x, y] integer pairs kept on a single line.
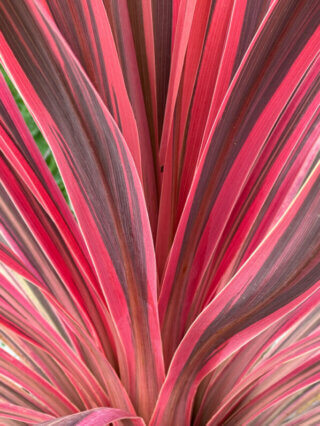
[[281, 274], [240, 135], [102, 183], [187, 136]]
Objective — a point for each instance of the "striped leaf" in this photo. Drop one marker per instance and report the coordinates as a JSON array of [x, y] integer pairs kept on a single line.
[[102, 183], [210, 56], [238, 139], [179, 283], [97, 54], [97, 417], [281, 274]]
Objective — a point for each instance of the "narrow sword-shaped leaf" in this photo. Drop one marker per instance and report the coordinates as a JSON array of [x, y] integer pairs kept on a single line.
[[224, 379], [98, 55], [248, 114], [53, 402], [37, 222], [201, 70], [85, 27], [21, 414], [162, 25], [245, 20], [266, 288], [97, 417], [310, 417], [290, 407], [19, 315], [140, 15], [119, 18], [268, 190], [294, 355], [179, 48], [94, 359], [189, 38], [41, 255], [21, 151], [303, 376], [41, 363], [109, 205]]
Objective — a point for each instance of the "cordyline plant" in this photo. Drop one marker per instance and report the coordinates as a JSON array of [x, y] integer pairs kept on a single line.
[[180, 283]]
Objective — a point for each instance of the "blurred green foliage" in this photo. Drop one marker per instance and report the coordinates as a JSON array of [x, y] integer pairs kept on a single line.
[[37, 135]]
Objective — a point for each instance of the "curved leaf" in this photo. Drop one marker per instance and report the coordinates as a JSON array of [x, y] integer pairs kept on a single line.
[[102, 183], [265, 289]]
